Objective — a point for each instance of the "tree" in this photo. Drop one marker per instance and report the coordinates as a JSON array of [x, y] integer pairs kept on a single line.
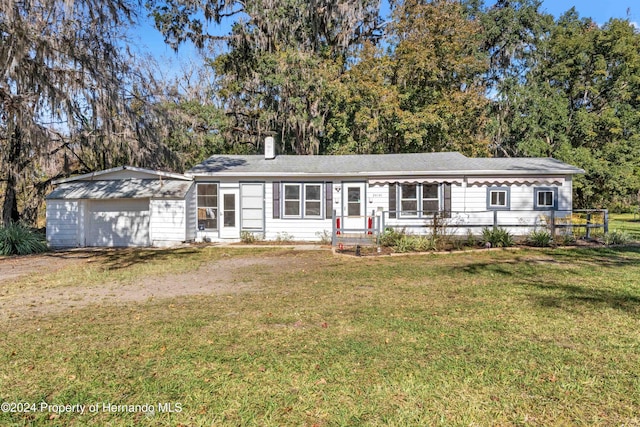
[[277, 62], [438, 69], [69, 97]]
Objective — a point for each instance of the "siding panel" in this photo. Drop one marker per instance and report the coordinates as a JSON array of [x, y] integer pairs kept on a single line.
[[62, 223]]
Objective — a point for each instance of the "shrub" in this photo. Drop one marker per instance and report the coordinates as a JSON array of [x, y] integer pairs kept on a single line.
[[617, 237], [497, 237], [540, 238], [405, 244], [18, 239], [568, 239], [391, 237], [247, 237], [324, 237], [284, 237]]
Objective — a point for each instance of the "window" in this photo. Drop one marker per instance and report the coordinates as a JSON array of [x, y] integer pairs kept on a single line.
[[430, 201], [292, 200], [418, 200], [302, 200], [207, 206], [409, 200], [354, 201], [313, 200], [545, 198], [498, 198]]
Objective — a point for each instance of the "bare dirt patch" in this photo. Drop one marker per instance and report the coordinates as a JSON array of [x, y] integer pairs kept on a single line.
[[225, 276], [16, 266]]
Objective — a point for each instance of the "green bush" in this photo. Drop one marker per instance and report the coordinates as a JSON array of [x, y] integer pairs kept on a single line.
[[391, 237], [18, 239], [497, 237], [617, 237], [540, 238]]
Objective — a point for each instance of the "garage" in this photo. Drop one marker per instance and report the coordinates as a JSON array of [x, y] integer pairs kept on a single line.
[[120, 207], [118, 222]]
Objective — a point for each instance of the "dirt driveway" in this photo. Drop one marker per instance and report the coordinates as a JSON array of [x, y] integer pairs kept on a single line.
[[222, 276]]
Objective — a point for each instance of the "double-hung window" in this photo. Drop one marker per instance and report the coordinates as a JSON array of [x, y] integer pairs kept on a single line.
[[207, 206], [292, 200], [419, 200], [409, 200], [430, 200], [545, 198], [498, 198], [312, 200]]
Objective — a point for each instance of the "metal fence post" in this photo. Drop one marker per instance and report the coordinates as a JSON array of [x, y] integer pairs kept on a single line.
[[553, 224], [588, 225], [606, 221], [333, 228]]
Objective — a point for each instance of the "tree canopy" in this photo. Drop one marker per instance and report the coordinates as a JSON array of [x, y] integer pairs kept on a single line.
[[496, 78]]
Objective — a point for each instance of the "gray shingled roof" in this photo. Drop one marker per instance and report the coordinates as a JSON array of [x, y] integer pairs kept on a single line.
[[377, 165], [122, 189]]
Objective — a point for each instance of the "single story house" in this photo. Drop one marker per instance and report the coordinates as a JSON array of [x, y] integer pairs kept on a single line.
[[306, 198]]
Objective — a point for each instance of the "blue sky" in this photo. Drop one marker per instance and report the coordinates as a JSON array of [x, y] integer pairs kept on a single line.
[[149, 39]]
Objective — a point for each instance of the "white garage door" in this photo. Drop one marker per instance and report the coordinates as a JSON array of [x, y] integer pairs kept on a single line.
[[118, 222]]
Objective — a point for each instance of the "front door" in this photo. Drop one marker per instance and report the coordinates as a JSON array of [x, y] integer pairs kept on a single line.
[[354, 206], [229, 215]]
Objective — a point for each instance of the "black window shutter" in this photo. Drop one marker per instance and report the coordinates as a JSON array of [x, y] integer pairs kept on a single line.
[[276, 199], [446, 190], [328, 199], [393, 205]]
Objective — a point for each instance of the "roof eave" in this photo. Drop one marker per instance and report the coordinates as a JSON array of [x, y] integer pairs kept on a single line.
[[91, 175], [388, 173]]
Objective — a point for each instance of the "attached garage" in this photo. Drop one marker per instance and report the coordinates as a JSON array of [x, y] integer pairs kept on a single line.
[[118, 222], [120, 207]]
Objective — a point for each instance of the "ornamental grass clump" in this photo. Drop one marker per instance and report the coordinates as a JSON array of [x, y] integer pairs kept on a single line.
[[18, 239], [540, 238], [497, 237]]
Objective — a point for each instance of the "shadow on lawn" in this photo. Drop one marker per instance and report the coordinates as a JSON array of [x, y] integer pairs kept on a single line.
[[123, 258], [574, 296], [553, 292]]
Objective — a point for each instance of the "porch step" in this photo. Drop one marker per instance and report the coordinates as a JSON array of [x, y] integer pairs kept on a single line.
[[352, 239]]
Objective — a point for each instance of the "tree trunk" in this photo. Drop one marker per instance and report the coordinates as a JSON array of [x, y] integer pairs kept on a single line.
[[10, 205]]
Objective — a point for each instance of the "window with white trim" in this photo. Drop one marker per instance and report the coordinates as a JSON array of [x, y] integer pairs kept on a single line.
[[498, 198], [430, 199], [409, 200], [303, 200], [292, 200], [312, 200], [545, 198], [207, 199]]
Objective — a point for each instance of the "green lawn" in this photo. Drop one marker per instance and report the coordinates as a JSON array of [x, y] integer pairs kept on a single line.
[[629, 223], [519, 337]]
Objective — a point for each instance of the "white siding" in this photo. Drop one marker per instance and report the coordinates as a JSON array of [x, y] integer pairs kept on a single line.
[[62, 223], [296, 229], [468, 206], [168, 222]]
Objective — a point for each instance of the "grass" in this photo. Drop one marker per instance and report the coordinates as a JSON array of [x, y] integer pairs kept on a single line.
[[629, 223], [526, 337]]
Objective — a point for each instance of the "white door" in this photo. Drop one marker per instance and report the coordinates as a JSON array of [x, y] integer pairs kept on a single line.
[[229, 213], [354, 206], [118, 222]]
